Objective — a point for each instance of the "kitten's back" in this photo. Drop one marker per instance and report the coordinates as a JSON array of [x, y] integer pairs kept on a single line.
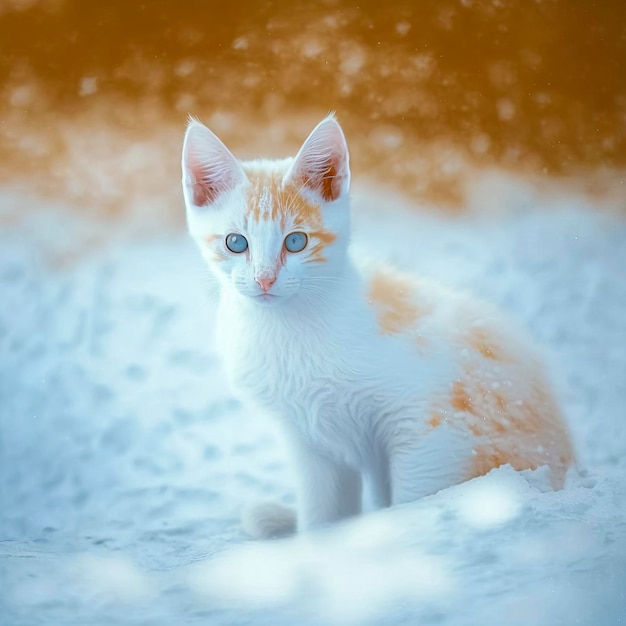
[[501, 395]]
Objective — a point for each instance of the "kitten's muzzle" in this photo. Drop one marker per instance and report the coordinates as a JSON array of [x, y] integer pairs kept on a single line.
[[265, 282]]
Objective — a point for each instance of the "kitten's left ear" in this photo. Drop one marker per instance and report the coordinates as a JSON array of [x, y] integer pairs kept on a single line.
[[209, 167], [323, 163]]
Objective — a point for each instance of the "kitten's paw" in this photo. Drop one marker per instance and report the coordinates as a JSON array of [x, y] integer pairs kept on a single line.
[[267, 520]]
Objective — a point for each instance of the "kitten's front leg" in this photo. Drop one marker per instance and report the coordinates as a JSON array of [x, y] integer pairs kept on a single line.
[[327, 491], [422, 466]]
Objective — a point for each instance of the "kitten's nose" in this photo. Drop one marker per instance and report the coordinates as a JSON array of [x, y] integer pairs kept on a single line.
[[266, 282]]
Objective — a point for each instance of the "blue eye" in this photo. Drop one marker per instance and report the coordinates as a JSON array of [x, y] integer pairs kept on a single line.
[[296, 242], [236, 243]]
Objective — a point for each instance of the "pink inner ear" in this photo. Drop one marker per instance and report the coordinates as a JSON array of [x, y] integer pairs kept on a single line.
[[203, 194], [325, 182], [205, 191], [209, 168], [322, 164]]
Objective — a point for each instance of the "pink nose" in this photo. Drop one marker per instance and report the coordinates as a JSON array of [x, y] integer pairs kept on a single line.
[[266, 283]]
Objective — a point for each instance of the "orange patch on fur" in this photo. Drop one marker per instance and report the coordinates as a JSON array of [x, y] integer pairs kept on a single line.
[[316, 252], [490, 457], [475, 430], [524, 434], [324, 236], [499, 427], [500, 401], [510, 412], [479, 340], [435, 420], [460, 400], [395, 309]]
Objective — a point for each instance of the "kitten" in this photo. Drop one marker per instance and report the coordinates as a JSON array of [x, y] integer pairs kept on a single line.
[[375, 375]]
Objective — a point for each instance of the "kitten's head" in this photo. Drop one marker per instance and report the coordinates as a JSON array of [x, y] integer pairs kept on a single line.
[[269, 229]]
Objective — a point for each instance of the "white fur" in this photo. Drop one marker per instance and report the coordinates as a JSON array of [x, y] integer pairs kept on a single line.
[[348, 398], [352, 401]]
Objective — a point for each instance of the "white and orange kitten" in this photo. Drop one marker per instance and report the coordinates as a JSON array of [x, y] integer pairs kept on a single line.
[[378, 378]]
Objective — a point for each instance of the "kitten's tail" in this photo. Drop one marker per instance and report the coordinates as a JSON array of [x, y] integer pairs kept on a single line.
[[267, 520]]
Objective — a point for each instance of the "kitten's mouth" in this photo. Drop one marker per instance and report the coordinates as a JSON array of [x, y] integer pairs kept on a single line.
[[266, 298]]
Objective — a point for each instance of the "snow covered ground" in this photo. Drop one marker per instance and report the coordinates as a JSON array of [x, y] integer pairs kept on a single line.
[[125, 461]]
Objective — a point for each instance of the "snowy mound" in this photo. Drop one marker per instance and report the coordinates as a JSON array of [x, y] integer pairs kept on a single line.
[[125, 461]]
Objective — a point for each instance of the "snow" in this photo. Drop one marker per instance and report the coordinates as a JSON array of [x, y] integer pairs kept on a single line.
[[125, 461]]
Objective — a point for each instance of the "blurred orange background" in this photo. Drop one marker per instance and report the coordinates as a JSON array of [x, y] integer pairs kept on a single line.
[[94, 95]]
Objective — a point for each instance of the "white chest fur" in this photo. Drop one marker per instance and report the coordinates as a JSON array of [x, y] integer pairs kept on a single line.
[[326, 372]]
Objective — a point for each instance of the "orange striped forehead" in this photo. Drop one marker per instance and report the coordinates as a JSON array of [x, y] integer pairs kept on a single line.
[[269, 198]]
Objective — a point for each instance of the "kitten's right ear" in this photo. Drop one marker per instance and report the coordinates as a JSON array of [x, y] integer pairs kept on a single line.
[[209, 168], [323, 163]]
